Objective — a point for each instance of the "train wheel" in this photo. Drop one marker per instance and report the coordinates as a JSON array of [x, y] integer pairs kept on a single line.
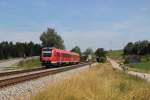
[[48, 65]]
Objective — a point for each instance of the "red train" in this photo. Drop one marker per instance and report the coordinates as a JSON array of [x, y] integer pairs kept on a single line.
[[55, 57]]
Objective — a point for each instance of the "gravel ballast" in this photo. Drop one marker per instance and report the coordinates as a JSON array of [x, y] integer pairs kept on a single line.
[[23, 91]]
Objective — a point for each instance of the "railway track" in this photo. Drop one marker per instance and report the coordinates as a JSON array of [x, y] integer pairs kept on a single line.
[[11, 78], [19, 71]]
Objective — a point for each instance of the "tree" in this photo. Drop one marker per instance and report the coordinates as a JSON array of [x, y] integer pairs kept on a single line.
[[50, 38], [76, 49], [5, 49], [128, 49], [137, 48], [11, 50], [100, 52], [144, 47], [88, 52], [100, 55]]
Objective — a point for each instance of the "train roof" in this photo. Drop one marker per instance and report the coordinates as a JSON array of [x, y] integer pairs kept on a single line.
[[49, 48], [69, 52], [65, 51]]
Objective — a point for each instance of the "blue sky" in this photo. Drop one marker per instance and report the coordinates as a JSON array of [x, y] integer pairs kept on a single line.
[[86, 23]]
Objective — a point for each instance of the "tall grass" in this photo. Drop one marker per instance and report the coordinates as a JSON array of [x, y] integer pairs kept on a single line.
[[101, 82]]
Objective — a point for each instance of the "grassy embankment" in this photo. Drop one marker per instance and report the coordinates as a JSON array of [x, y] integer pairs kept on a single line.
[[101, 82], [29, 63], [140, 67], [143, 66]]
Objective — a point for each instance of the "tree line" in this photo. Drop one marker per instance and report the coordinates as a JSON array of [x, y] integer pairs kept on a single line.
[[137, 48], [49, 38], [99, 54], [18, 49]]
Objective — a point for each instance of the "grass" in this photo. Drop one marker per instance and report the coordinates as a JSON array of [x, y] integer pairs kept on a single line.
[[29, 63], [115, 54], [142, 67], [101, 82]]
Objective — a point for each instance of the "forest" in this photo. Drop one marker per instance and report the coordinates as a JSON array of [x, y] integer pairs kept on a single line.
[[18, 49]]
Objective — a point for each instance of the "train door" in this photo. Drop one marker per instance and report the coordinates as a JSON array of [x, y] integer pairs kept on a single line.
[[60, 58]]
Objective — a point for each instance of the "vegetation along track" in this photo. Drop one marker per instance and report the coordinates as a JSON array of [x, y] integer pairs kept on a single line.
[[18, 77]]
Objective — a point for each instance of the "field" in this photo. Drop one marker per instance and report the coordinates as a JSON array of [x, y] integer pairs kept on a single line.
[[142, 67], [100, 82], [29, 63], [115, 54]]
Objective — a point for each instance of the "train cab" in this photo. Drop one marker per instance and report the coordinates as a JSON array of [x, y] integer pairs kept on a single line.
[[46, 55]]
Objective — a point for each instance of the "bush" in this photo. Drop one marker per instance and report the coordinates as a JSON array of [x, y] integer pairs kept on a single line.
[[30, 63], [100, 55], [132, 59]]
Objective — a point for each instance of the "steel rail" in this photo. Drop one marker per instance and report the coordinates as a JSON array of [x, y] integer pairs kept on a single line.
[[2, 74], [19, 71], [30, 76]]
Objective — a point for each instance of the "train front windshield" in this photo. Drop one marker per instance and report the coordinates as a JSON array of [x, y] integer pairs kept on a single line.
[[47, 52]]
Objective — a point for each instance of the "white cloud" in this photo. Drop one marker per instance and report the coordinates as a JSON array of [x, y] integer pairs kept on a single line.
[[92, 39], [113, 36], [137, 24], [20, 36]]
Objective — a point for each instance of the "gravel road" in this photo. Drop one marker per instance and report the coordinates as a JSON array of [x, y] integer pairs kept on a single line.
[[138, 74]]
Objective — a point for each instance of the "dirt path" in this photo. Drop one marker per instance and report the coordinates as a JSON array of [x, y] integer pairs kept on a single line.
[[6, 64], [115, 65]]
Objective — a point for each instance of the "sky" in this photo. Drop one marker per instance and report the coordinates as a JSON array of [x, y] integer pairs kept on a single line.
[[108, 24]]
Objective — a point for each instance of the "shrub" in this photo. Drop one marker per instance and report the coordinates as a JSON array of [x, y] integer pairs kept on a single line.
[[132, 59]]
